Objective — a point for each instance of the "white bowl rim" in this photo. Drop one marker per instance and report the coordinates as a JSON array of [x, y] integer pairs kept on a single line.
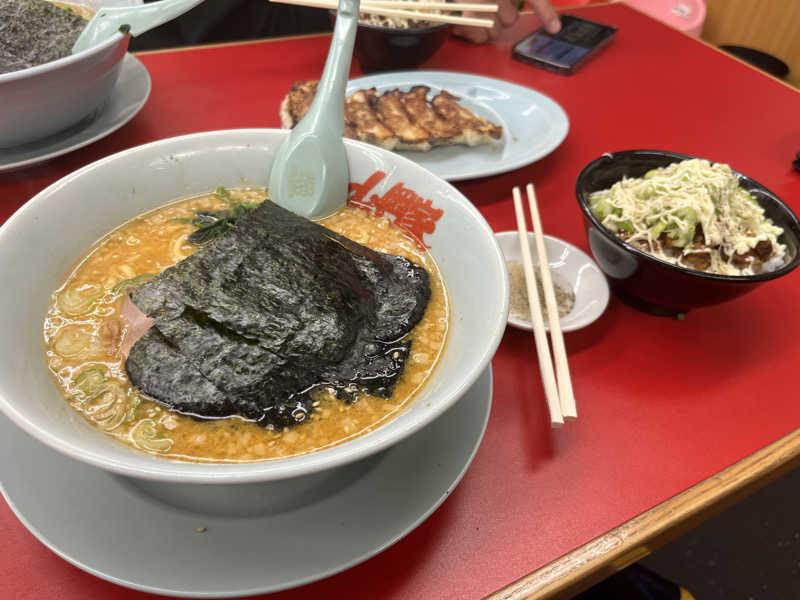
[[63, 61], [175, 471]]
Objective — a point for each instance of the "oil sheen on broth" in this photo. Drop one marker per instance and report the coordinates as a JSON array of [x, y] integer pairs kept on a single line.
[[83, 331]]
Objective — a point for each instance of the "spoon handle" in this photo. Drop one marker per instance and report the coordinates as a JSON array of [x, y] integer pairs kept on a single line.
[[310, 174], [148, 16], [139, 18], [327, 108]]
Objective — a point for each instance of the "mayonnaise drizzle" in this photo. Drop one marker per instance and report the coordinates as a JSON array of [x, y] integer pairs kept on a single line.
[[675, 200]]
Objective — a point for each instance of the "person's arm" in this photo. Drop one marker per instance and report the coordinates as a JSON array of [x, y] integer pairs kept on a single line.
[[506, 17]]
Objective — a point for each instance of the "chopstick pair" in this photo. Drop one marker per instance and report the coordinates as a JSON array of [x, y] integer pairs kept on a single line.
[[560, 397], [411, 10]]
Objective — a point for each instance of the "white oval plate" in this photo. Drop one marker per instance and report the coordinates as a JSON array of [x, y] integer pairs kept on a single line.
[[533, 124], [571, 267], [114, 529]]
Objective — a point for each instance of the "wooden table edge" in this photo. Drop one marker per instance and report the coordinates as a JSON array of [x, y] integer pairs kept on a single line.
[[635, 539]]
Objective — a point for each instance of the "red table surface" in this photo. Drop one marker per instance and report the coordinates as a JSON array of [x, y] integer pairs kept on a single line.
[[663, 403]]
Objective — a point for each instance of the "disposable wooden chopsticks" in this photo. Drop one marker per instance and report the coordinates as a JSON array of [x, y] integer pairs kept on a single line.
[[560, 399], [542, 347], [410, 10], [445, 6], [565, 394]]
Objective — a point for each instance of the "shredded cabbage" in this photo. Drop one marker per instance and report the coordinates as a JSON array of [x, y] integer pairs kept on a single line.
[[691, 208]]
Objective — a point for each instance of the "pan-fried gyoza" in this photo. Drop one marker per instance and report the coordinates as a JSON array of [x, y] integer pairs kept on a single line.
[[397, 120]]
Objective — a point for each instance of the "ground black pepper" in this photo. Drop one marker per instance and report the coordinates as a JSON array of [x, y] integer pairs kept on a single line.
[[519, 307]]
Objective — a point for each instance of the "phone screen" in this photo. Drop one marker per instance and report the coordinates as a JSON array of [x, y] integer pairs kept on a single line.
[[566, 49]]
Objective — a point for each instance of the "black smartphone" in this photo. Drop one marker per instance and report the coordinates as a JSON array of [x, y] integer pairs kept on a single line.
[[565, 51]]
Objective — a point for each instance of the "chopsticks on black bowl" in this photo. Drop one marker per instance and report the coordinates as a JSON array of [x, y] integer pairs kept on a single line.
[[412, 10]]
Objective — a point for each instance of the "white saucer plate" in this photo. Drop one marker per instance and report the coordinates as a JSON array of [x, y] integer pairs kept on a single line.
[[572, 269], [286, 533], [126, 99], [533, 124]]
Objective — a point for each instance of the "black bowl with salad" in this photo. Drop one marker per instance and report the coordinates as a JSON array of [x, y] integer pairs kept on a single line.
[[673, 231]]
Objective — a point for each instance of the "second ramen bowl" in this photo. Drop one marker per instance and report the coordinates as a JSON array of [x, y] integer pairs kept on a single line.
[[397, 48], [40, 244], [653, 285], [43, 100]]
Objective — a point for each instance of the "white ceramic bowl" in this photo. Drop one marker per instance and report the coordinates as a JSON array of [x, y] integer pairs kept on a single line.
[[572, 269], [43, 240], [40, 101]]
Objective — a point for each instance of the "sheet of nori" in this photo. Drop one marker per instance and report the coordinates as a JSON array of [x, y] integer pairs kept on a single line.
[[277, 306], [33, 32]]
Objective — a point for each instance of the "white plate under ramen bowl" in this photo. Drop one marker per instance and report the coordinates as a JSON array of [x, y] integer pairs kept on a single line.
[[572, 269], [41, 242], [127, 98], [45, 99]]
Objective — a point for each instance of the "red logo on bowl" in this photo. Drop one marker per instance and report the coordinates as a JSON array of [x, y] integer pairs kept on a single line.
[[412, 213]]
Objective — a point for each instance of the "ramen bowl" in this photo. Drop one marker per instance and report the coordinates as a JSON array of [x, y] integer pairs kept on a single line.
[[40, 244], [42, 100], [656, 286]]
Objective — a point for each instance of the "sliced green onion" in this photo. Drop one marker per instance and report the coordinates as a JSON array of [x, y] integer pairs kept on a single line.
[[144, 435], [112, 417], [71, 341], [135, 402], [89, 383], [78, 299], [223, 193]]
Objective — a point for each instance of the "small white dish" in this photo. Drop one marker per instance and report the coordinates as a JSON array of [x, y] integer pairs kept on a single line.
[[571, 268], [130, 534], [126, 99], [533, 124]]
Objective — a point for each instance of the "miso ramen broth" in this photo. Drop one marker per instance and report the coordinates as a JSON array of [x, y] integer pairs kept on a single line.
[[84, 331]]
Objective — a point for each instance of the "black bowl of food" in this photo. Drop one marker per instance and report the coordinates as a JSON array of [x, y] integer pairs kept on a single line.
[[389, 43], [673, 232]]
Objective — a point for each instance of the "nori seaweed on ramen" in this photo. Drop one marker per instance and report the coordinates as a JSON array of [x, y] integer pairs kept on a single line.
[[278, 306]]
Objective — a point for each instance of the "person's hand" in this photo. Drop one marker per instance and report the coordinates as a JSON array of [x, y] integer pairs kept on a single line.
[[506, 17]]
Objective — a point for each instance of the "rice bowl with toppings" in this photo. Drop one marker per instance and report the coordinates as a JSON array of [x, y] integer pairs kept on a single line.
[[667, 287], [692, 214]]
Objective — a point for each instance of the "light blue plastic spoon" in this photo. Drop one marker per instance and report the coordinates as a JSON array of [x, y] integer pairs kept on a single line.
[[310, 175], [139, 19]]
